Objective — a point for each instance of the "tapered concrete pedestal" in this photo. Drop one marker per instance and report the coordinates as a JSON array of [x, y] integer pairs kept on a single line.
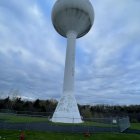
[[67, 110]]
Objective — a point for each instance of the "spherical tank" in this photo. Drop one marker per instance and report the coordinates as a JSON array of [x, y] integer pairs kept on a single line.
[[72, 15]]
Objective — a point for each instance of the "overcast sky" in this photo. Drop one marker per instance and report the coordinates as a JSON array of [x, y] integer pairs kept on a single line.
[[32, 53]]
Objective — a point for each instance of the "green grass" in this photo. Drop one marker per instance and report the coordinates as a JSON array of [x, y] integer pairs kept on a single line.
[[32, 135], [21, 119], [135, 126], [86, 124], [25, 119]]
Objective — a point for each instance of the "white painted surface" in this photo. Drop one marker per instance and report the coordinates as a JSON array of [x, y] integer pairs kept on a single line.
[[72, 19], [72, 15], [68, 85], [67, 110]]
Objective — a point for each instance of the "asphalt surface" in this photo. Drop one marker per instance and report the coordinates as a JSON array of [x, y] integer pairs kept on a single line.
[[44, 126], [132, 131]]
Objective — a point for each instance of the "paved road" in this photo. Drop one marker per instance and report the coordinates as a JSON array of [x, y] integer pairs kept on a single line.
[[132, 131], [55, 128], [44, 126]]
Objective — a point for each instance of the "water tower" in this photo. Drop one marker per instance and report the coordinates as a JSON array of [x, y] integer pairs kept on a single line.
[[71, 19]]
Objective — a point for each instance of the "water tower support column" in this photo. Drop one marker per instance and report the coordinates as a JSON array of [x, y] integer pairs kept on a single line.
[[67, 109], [68, 86]]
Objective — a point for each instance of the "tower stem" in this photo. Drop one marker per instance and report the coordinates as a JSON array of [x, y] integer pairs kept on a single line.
[[68, 85], [67, 109]]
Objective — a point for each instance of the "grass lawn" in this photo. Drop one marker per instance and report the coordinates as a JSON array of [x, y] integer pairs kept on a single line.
[[87, 124], [20, 119], [32, 135], [135, 126], [25, 119]]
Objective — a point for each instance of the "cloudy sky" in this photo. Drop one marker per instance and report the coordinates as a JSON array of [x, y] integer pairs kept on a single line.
[[32, 53]]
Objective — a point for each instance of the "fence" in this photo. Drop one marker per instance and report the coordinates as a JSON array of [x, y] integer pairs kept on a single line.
[[16, 121], [123, 123]]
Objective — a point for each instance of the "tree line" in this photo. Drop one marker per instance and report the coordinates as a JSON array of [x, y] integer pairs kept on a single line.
[[87, 111]]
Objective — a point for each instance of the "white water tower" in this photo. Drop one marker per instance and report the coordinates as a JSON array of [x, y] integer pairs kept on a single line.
[[71, 19]]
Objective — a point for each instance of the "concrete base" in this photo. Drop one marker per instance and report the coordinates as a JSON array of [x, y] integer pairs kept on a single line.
[[67, 110]]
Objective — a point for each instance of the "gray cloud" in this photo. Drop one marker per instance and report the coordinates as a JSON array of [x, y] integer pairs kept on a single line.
[[32, 54]]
